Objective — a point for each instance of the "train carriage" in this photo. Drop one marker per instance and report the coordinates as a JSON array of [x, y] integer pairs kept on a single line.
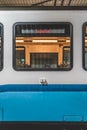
[[43, 64]]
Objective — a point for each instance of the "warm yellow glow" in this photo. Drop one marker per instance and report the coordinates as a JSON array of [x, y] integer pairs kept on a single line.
[[43, 45], [68, 41], [85, 40], [46, 41], [19, 40]]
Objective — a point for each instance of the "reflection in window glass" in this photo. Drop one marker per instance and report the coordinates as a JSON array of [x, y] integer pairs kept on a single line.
[[66, 56], [20, 57], [42, 46], [1, 47], [85, 59], [43, 60], [85, 46]]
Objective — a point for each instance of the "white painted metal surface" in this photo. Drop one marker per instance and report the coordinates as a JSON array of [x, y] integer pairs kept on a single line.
[[76, 76]]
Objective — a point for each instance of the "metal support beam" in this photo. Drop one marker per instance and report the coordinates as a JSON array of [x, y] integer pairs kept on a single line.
[[62, 2], [69, 2], [55, 1], [36, 4]]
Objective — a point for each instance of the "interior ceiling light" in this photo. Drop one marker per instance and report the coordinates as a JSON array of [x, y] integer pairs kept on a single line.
[[18, 41], [46, 41]]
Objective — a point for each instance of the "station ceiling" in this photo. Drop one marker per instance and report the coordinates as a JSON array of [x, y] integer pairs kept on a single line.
[[44, 4]]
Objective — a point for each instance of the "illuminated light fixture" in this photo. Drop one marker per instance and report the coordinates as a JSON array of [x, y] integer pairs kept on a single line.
[[46, 41], [19, 40], [68, 41], [85, 40]]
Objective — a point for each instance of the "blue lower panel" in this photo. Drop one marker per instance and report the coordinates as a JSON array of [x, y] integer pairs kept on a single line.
[[44, 106]]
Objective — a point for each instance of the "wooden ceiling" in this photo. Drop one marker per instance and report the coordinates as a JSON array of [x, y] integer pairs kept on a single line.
[[45, 4]]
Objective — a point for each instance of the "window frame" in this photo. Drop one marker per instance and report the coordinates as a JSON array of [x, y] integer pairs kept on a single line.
[[33, 69]]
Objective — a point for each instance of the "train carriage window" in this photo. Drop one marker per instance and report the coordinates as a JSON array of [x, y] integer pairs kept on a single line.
[[85, 46], [42, 46], [1, 46]]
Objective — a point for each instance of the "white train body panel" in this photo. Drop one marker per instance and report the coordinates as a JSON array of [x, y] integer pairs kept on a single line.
[[75, 76]]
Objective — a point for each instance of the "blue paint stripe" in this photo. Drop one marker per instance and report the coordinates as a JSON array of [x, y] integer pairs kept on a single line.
[[37, 87]]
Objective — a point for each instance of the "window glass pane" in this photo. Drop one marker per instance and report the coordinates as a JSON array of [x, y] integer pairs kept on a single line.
[[43, 60], [20, 57], [1, 47], [85, 46], [42, 46], [86, 60], [66, 57]]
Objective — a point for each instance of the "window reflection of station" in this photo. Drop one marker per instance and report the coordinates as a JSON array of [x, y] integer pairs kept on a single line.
[[85, 48], [44, 51], [45, 45], [0, 53], [1, 46]]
